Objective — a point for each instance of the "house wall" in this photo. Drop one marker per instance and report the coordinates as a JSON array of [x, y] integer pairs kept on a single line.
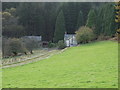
[[70, 40]]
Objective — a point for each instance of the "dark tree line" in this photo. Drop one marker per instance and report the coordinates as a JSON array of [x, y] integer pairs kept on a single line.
[[44, 18]]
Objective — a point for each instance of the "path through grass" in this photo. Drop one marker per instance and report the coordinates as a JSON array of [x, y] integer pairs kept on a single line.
[[93, 65]]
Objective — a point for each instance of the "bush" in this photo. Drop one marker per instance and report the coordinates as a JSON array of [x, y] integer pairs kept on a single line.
[[30, 44], [51, 45], [61, 44], [11, 47], [84, 35]]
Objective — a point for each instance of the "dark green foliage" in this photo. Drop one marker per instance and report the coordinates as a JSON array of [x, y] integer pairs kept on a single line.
[[70, 13], [10, 25], [8, 5], [61, 44], [106, 20], [50, 12], [59, 27], [84, 35], [80, 21], [91, 21], [52, 45], [30, 18], [85, 8], [109, 23], [40, 18], [13, 31]]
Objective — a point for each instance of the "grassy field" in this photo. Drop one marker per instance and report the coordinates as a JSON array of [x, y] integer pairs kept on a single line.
[[0, 69], [93, 65]]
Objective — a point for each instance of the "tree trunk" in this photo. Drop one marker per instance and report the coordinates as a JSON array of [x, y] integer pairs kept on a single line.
[[31, 52]]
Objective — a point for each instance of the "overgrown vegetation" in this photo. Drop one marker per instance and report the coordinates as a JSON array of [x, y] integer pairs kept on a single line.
[[52, 45], [11, 47], [15, 46], [84, 35], [61, 44]]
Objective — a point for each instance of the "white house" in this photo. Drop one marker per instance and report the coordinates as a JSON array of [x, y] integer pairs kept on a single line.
[[70, 40]]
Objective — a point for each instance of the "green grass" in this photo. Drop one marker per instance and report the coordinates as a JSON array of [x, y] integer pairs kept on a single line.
[[0, 78], [93, 65]]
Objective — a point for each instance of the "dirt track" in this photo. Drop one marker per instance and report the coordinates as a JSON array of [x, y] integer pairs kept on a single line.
[[35, 58]]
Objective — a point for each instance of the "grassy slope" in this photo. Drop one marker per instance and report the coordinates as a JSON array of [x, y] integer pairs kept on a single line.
[[91, 65], [0, 79]]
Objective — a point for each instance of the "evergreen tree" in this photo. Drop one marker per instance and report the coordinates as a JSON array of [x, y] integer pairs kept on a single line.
[[8, 5], [109, 20], [85, 8], [70, 13], [99, 23], [106, 20], [91, 21], [80, 21], [39, 18], [50, 12], [59, 27]]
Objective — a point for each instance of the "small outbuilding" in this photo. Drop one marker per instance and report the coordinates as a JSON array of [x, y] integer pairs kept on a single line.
[[35, 38]]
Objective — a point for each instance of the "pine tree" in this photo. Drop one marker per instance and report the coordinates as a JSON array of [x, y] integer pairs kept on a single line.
[[71, 13], [99, 23], [80, 21], [59, 27], [91, 21], [109, 20], [106, 20]]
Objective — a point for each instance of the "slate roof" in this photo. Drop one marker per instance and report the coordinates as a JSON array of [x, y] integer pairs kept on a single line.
[[36, 38], [68, 36]]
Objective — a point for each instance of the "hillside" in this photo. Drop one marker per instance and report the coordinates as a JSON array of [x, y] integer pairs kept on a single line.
[[93, 65]]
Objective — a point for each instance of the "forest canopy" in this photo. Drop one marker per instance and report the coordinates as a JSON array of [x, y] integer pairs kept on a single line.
[[42, 19]]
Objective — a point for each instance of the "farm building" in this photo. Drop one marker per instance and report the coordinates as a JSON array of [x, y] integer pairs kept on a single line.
[[70, 40], [35, 38]]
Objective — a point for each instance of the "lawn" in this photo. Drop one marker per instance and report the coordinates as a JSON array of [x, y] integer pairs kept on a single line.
[[94, 65]]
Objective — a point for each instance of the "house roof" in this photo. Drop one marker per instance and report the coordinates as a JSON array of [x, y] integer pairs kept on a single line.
[[68, 36], [38, 38]]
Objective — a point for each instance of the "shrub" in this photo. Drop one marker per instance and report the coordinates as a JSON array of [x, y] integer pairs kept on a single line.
[[12, 47], [84, 35], [61, 44], [51, 45], [30, 44]]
